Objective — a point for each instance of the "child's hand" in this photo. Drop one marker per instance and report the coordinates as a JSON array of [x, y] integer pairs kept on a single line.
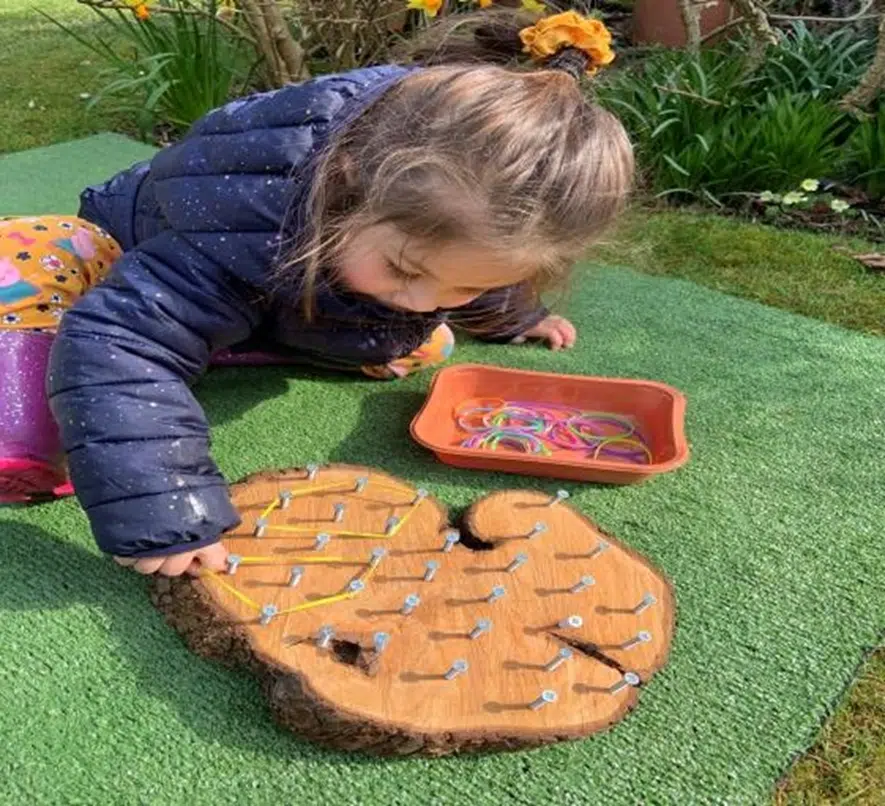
[[213, 557], [557, 331]]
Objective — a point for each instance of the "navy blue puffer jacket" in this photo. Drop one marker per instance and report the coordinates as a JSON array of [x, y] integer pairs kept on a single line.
[[201, 226]]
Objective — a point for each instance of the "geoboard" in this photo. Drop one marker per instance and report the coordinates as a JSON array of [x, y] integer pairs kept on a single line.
[[373, 624]]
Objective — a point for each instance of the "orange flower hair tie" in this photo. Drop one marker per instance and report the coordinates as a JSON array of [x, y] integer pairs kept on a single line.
[[550, 35]]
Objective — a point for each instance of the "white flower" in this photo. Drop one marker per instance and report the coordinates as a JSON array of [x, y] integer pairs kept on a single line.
[[768, 196], [85, 96], [794, 198], [839, 205], [32, 104], [810, 185]]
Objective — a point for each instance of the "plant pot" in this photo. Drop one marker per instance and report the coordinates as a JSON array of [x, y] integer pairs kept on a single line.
[[657, 409], [659, 22]]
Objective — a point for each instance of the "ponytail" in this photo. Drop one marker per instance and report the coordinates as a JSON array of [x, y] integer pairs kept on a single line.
[[567, 42]]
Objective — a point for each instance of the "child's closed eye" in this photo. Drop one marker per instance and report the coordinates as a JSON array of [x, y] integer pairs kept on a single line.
[[411, 274], [402, 273]]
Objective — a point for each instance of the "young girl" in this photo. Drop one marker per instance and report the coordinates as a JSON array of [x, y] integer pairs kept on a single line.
[[340, 222]]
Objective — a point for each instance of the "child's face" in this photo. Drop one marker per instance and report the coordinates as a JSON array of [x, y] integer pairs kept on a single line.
[[383, 263]]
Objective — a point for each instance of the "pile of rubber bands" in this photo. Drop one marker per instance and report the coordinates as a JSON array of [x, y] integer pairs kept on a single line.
[[541, 428]]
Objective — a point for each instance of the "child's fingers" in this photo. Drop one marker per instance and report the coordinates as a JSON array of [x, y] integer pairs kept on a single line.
[[148, 565], [176, 564], [555, 339], [213, 557], [570, 333]]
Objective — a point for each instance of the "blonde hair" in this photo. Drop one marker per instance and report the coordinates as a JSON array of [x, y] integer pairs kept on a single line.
[[514, 161]]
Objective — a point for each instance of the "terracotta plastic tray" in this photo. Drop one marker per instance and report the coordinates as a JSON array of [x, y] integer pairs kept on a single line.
[[657, 409]]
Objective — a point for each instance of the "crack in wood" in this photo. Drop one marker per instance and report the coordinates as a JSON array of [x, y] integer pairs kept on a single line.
[[591, 651]]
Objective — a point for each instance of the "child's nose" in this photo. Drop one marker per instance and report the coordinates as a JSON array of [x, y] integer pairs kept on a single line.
[[423, 296]]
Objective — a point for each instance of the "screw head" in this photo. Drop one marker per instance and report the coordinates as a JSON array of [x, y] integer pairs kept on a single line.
[[322, 540], [644, 636], [295, 575], [497, 592], [324, 635], [452, 536], [538, 529], [380, 641], [356, 586], [411, 601], [632, 679], [572, 622]]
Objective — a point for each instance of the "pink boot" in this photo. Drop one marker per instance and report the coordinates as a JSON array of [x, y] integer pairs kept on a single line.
[[31, 459]]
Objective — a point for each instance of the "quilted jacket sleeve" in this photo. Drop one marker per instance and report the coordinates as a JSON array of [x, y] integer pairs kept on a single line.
[[137, 440], [500, 315], [207, 217]]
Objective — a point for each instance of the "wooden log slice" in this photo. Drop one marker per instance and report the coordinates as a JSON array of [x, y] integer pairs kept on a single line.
[[315, 645]]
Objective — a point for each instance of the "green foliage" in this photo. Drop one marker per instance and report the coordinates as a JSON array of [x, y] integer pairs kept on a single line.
[[705, 128], [864, 160], [806, 62], [173, 68]]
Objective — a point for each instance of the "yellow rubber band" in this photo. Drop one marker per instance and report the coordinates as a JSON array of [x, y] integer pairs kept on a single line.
[[270, 508], [369, 572], [406, 517], [322, 489], [230, 589], [312, 531], [339, 597], [623, 441], [259, 560], [381, 486]]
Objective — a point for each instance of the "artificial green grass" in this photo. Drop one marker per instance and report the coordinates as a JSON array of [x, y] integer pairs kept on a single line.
[[49, 180], [772, 535]]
